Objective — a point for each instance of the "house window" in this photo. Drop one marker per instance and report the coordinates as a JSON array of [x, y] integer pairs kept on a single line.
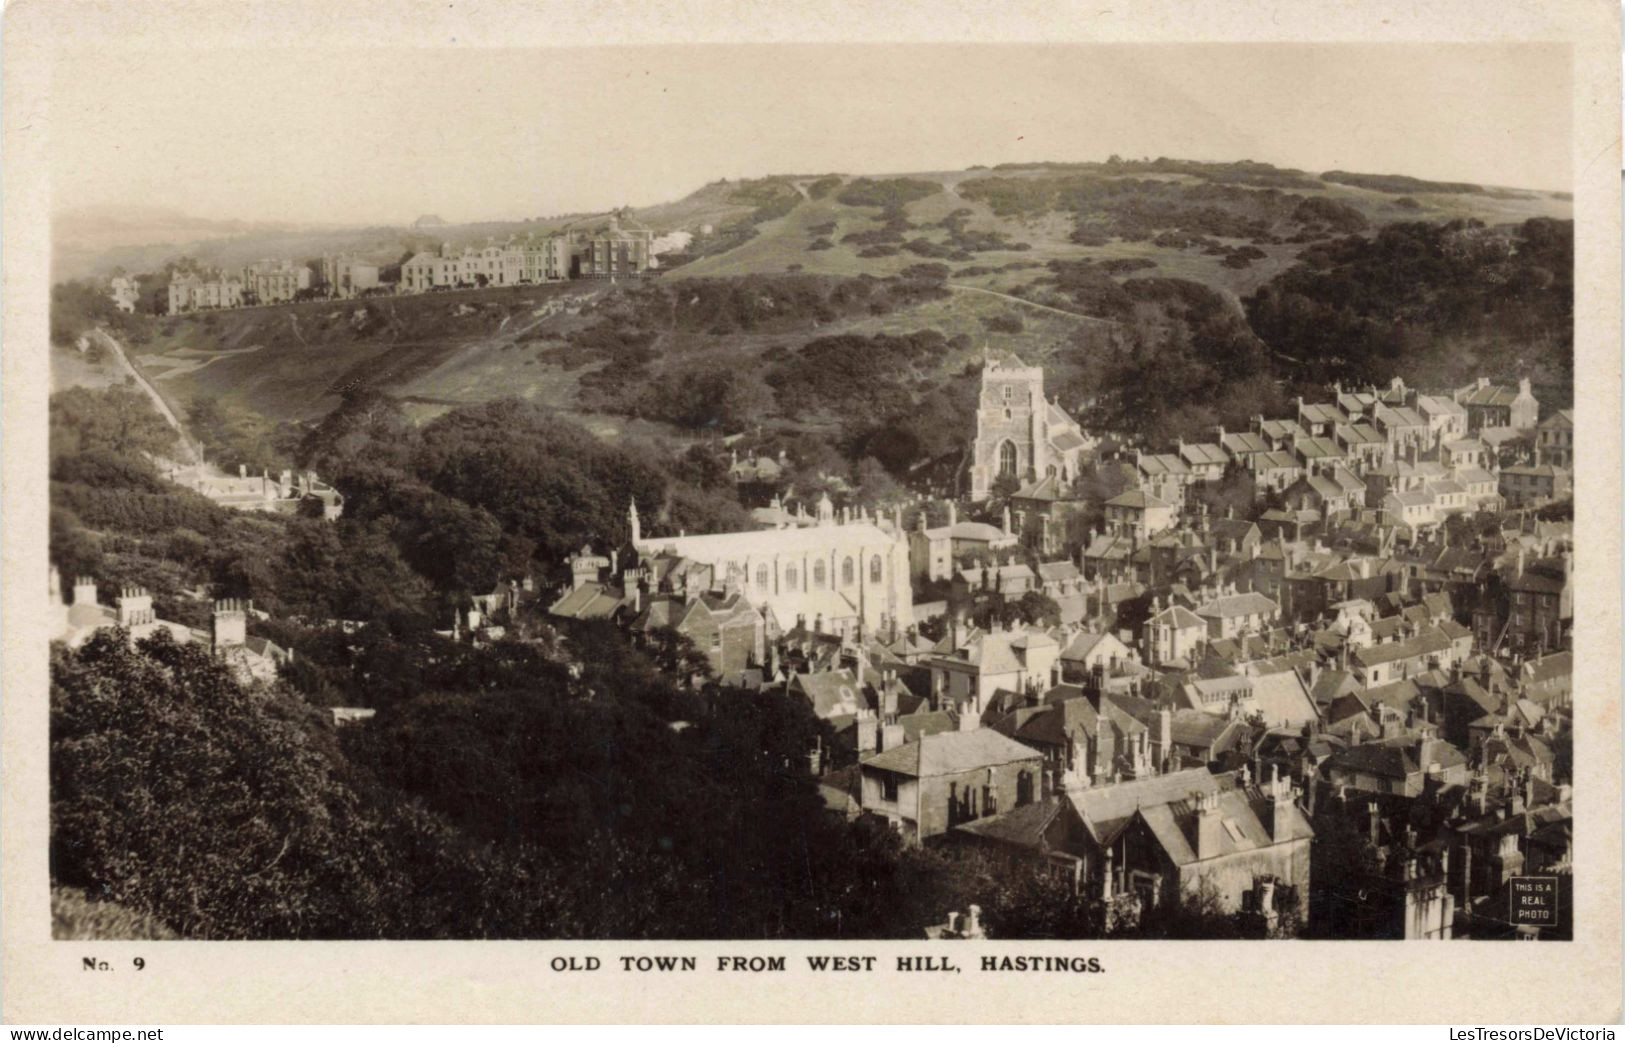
[[875, 569], [848, 573], [818, 575], [888, 788]]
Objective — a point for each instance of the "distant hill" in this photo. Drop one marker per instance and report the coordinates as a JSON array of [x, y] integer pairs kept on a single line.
[[1055, 261]]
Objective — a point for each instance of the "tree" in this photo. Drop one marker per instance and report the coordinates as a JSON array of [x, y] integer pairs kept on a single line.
[[111, 419], [226, 824]]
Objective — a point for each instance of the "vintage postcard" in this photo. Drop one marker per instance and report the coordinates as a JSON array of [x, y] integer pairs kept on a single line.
[[548, 512]]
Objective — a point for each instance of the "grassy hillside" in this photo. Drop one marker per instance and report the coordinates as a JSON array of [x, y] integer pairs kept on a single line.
[[1055, 262], [291, 362]]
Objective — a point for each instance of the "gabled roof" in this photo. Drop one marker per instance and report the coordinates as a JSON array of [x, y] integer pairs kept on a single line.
[[1317, 448], [1320, 413], [950, 753], [1358, 434], [1085, 643], [1057, 571], [1160, 464], [1047, 489], [589, 601], [1234, 529], [1199, 729], [1398, 416], [1243, 443], [1279, 430], [1281, 697], [1022, 827], [1439, 405], [1179, 617], [1068, 440], [1106, 810], [1231, 606], [1274, 460], [1174, 824], [1136, 498], [1109, 548], [1202, 454], [830, 692], [1488, 395], [1397, 758]]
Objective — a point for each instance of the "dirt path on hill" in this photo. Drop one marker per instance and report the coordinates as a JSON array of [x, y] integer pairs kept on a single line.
[[1012, 298], [188, 448]]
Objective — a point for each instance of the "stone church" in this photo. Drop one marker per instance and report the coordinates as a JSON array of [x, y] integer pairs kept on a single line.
[[846, 574], [1019, 433]]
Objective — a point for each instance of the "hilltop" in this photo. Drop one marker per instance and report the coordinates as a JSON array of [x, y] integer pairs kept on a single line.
[[1158, 272]]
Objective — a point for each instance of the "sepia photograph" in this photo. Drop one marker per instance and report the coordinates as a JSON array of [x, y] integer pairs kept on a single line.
[[938, 492]]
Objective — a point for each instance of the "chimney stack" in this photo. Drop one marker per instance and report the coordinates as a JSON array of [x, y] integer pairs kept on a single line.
[[230, 623], [1209, 825]]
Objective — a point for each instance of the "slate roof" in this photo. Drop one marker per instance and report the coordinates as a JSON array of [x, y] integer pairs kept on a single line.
[[589, 601], [1068, 440], [1056, 571], [1426, 643], [1179, 617], [1274, 460], [1397, 758], [1203, 454], [1320, 413], [1490, 395], [1232, 606], [1281, 430], [1198, 729], [1021, 827], [830, 692], [1317, 448], [1136, 498], [1174, 824], [1280, 697], [1358, 434], [1243, 443], [1047, 489], [1083, 644], [1107, 810], [1160, 464], [950, 753]]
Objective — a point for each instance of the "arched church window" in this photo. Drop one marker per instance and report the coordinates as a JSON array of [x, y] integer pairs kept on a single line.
[[848, 573], [761, 576], [790, 578], [1007, 459], [875, 569], [818, 575]]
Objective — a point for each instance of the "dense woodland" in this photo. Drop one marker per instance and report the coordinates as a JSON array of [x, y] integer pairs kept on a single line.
[[499, 792]]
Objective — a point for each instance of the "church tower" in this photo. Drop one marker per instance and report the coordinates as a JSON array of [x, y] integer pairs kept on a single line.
[[1012, 434]]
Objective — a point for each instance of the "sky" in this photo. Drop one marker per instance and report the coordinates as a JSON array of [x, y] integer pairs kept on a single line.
[[388, 134]]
